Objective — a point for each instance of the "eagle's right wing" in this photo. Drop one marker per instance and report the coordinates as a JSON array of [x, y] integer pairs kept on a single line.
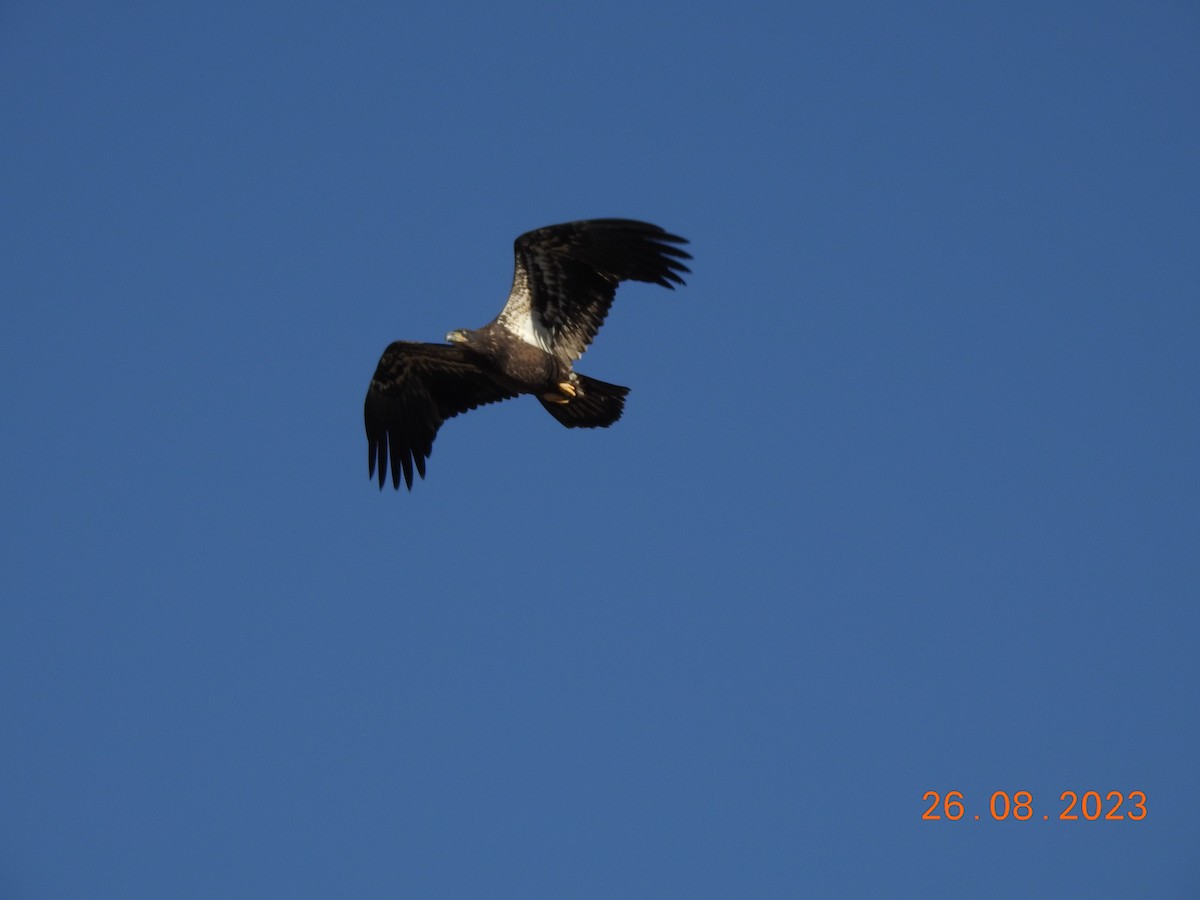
[[566, 276], [416, 387]]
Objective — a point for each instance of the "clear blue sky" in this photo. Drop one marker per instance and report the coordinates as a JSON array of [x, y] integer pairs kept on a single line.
[[906, 497]]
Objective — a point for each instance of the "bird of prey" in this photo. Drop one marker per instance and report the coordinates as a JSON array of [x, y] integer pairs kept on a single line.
[[565, 279]]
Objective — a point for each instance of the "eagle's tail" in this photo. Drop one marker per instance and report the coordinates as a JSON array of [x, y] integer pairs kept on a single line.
[[597, 405]]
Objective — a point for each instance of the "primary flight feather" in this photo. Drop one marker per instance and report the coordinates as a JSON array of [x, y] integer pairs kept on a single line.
[[564, 282]]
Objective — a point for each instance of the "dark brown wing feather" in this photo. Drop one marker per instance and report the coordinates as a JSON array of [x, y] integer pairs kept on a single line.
[[417, 387], [566, 275]]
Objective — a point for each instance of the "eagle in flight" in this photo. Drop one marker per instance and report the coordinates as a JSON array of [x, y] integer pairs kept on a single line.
[[565, 279]]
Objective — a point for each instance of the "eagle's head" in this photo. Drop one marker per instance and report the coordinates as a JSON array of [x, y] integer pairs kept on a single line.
[[458, 336]]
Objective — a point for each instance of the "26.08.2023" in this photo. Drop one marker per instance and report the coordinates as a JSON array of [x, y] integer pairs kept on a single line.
[[1020, 806]]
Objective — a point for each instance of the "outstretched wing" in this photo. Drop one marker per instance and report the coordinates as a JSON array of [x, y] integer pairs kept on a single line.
[[417, 387], [566, 276]]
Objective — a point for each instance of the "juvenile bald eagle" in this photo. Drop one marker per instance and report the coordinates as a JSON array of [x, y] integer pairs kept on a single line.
[[564, 283]]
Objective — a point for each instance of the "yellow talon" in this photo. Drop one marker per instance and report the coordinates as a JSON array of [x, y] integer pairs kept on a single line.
[[569, 392]]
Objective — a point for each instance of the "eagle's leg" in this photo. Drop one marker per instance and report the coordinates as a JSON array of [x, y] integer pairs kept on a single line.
[[568, 390]]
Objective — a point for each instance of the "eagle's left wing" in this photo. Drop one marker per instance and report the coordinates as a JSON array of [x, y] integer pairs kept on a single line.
[[416, 387], [566, 276]]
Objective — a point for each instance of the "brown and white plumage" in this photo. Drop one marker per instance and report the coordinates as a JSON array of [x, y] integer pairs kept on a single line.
[[564, 282]]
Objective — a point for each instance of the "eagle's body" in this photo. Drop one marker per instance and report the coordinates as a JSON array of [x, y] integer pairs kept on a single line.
[[564, 282], [524, 367]]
